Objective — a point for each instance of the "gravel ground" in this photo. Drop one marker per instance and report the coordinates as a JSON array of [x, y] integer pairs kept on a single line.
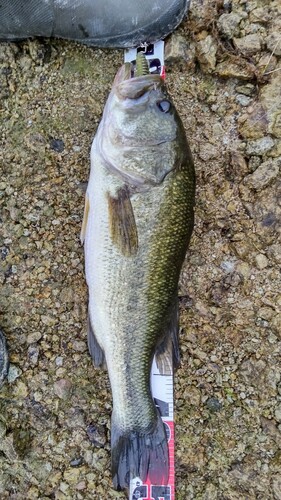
[[224, 73]]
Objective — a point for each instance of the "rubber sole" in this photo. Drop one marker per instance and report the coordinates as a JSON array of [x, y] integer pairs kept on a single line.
[[99, 23]]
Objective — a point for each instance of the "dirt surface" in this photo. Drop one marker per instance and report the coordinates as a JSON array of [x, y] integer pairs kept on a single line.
[[224, 74]]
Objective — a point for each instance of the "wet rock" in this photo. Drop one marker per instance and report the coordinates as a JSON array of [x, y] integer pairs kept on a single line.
[[228, 24], [22, 440], [274, 252], [259, 15], [261, 261], [260, 147], [208, 151], [79, 346], [33, 337], [252, 371], [267, 63], [254, 124], [193, 395], [40, 52], [235, 68], [76, 462], [75, 418], [211, 492], [276, 486], [247, 89], [263, 175], [96, 435], [33, 354], [14, 373], [214, 404], [249, 44], [48, 320], [81, 486], [273, 43], [57, 145], [270, 99], [277, 413], [242, 478], [239, 166], [100, 460], [243, 99], [269, 427], [206, 50], [20, 390], [276, 325], [3, 427], [178, 52], [63, 388]]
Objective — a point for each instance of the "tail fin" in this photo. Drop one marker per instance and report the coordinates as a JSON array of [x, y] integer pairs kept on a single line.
[[139, 454]]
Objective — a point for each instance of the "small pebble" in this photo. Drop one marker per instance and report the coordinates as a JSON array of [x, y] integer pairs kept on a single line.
[[278, 413], [59, 360], [33, 354], [63, 388], [96, 435], [206, 52], [261, 261], [264, 174], [228, 24], [273, 43], [213, 404], [178, 51], [76, 462], [249, 44], [247, 89], [243, 99], [33, 337], [260, 146], [13, 373], [57, 145]]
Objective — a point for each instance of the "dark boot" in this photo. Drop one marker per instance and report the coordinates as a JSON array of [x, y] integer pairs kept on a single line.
[[100, 23]]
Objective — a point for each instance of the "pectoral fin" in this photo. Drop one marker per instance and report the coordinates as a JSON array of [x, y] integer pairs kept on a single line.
[[85, 219], [123, 229]]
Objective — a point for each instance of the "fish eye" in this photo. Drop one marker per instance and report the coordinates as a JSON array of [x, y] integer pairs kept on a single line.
[[164, 106]]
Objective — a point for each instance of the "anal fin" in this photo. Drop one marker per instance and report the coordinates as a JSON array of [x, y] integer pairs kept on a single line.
[[94, 348], [167, 352]]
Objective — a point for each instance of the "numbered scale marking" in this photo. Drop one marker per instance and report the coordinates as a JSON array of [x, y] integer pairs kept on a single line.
[[161, 385], [162, 390]]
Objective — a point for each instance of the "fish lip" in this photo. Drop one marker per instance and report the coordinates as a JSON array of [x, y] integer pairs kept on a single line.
[[136, 86]]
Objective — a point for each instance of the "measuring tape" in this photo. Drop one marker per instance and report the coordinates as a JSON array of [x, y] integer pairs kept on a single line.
[[154, 53], [161, 385], [162, 391]]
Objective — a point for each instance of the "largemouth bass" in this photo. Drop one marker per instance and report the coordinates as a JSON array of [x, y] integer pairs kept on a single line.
[[137, 224]]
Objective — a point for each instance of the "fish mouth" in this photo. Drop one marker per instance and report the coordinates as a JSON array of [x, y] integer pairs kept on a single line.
[[129, 86], [132, 89]]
